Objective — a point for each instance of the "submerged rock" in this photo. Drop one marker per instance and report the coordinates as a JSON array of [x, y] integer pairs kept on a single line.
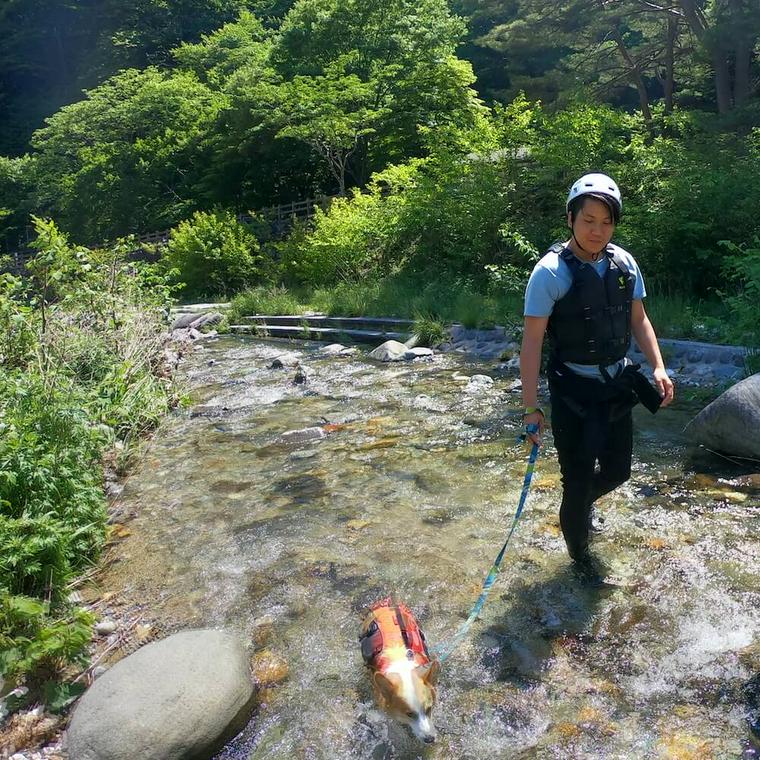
[[337, 349], [731, 423], [180, 697], [268, 669], [478, 383], [418, 353]]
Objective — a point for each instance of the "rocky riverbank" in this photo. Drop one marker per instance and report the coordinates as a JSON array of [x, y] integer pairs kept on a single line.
[[689, 363]]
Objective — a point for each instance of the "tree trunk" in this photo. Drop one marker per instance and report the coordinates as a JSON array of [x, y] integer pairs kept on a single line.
[[741, 74], [669, 83], [638, 80], [722, 79]]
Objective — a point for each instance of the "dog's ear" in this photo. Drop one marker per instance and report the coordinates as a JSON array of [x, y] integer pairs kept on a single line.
[[429, 673], [387, 685]]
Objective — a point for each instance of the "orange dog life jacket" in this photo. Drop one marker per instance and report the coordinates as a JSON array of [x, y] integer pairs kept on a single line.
[[392, 626]]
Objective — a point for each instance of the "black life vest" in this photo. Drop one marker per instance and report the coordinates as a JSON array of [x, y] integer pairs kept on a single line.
[[591, 323]]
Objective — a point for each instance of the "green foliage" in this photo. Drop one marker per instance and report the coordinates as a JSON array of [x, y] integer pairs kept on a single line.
[[443, 300], [742, 270], [17, 337], [429, 330], [49, 456], [15, 190], [38, 646], [129, 157], [229, 49], [213, 254], [684, 194], [78, 358], [263, 300], [53, 49], [360, 81]]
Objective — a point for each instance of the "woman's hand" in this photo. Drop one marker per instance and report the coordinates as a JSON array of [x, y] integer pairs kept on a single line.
[[664, 385], [534, 418]]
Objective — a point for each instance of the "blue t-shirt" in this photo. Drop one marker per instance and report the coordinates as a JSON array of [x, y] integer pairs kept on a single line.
[[551, 279]]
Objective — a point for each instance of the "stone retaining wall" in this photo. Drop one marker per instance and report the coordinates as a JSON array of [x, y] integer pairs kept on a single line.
[[689, 362]]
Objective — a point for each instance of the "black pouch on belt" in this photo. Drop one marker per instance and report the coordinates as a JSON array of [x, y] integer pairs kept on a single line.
[[647, 394]]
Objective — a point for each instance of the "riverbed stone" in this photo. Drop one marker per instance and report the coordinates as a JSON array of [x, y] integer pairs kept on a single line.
[[390, 351], [269, 668], [179, 698], [105, 627], [731, 423], [334, 349], [185, 320], [207, 320], [418, 353], [478, 383]]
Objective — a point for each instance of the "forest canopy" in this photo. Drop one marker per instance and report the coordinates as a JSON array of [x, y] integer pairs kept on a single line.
[[126, 118]]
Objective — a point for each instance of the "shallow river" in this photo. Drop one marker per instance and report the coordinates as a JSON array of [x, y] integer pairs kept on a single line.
[[402, 482]]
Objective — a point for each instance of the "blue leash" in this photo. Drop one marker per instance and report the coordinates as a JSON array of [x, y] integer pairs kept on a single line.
[[442, 652]]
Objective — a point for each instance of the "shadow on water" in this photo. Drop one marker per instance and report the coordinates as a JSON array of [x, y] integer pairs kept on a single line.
[[541, 613]]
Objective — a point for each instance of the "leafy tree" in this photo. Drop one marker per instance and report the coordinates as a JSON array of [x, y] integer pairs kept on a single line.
[[15, 193], [127, 158], [242, 44], [249, 168], [144, 32], [41, 62], [331, 114], [397, 56], [52, 49], [650, 46]]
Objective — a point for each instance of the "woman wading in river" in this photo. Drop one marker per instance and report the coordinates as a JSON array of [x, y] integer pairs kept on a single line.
[[587, 295]]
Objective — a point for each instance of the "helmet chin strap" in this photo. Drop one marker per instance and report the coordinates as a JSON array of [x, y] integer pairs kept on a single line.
[[594, 256]]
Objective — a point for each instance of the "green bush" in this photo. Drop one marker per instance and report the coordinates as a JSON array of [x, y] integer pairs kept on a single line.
[[429, 330], [34, 644], [17, 337], [50, 456], [36, 556], [213, 255], [79, 349], [742, 271], [346, 242]]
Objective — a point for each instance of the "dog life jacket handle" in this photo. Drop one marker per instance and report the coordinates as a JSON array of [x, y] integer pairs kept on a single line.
[[442, 652], [402, 628]]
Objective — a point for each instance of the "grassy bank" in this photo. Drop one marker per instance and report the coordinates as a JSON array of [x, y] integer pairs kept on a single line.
[[80, 383], [674, 316]]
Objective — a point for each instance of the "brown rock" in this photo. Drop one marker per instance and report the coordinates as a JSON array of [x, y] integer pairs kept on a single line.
[[268, 669]]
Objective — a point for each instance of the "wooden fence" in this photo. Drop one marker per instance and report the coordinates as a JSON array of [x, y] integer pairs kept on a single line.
[[279, 218]]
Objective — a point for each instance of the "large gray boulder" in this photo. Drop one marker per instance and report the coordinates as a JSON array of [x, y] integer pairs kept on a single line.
[[180, 698], [197, 321], [185, 320], [731, 423], [390, 351]]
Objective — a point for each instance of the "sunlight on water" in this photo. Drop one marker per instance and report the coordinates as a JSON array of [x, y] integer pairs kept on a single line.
[[282, 509]]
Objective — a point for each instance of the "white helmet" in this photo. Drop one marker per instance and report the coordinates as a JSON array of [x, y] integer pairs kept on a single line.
[[595, 183]]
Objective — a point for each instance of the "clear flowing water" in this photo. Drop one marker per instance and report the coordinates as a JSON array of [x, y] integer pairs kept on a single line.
[[282, 510]]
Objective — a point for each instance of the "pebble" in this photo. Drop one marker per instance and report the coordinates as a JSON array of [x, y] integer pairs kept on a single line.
[[105, 627]]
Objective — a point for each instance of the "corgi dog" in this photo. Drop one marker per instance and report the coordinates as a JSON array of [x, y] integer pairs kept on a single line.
[[403, 674]]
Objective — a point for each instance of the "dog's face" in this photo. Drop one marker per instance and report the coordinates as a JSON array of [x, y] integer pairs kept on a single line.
[[408, 694]]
